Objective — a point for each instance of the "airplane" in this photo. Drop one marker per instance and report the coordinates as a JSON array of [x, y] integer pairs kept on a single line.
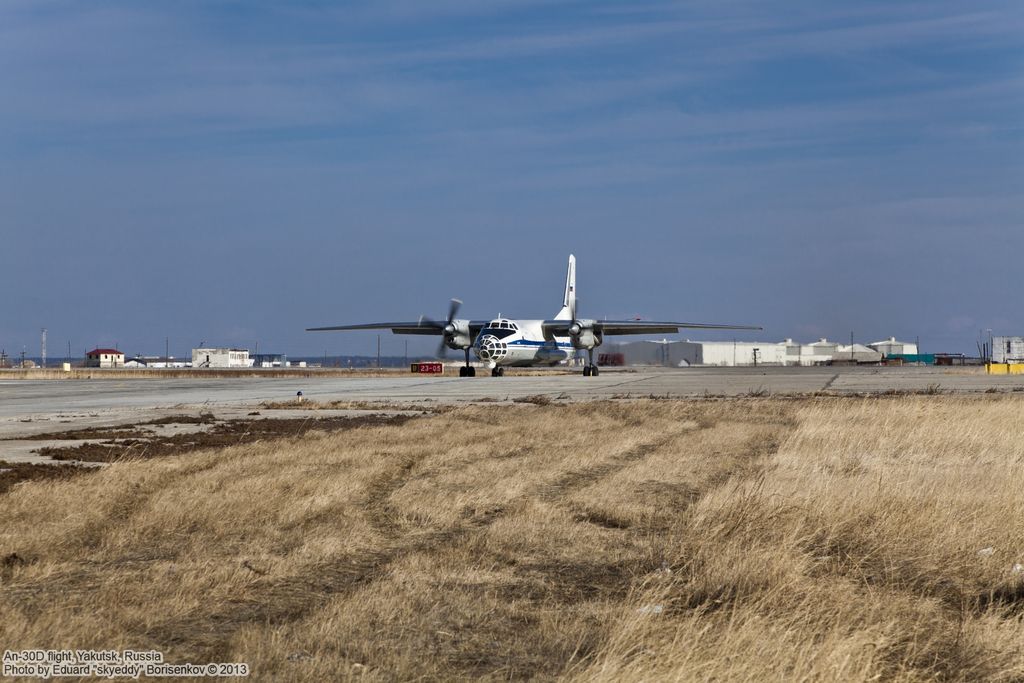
[[503, 342]]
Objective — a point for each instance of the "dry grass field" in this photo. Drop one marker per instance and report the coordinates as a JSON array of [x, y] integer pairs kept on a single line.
[[848, 539]]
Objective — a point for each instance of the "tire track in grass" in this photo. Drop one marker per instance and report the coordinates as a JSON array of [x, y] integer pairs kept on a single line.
[[77, 584], [586, 476], [747, 464], [206, 634], [379, 512]]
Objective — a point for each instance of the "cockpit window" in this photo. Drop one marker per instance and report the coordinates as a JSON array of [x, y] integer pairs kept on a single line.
[[500, 328], [498, 332]]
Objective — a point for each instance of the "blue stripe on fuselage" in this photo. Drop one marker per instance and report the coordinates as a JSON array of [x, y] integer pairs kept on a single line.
[[530, 342]]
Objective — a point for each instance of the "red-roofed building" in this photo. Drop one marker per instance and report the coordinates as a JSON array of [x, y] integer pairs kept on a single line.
[[104, 358]]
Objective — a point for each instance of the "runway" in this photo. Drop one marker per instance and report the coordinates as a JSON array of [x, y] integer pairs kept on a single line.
[[26, 406]]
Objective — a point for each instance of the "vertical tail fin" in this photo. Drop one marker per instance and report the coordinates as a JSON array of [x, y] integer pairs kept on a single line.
[[568, 311]]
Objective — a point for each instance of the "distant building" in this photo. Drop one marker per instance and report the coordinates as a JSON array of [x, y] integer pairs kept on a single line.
[[270, 360], [729, 353], [104, 358], [819, 352], [737, 353], [684, 353], [891, 347], [857, 353], [1007, 349], [157, 362], [221, 358]]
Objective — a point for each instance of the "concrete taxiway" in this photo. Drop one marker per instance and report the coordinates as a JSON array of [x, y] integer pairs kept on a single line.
[[33, 407]]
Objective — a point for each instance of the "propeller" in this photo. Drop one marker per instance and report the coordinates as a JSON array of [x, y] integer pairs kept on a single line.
[[447, 327]]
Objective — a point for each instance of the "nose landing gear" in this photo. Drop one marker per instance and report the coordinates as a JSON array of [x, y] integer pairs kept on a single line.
[[498, 372], [590, 369]]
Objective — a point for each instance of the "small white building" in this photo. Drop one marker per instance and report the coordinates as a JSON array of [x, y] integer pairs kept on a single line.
[[731, 353], [156, 362], [221, 358], [818, 353], [890, 346], [857, 353], [104, 358], [1007, 349]]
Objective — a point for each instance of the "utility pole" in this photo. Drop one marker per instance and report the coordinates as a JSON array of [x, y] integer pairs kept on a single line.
[[378, 352], [167, 352], [851, 345], [42, 350]]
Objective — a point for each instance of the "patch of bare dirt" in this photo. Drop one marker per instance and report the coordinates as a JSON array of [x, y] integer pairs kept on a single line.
[[12, 473], [230, 433], [202, 419], [124, 432], [135, 431]]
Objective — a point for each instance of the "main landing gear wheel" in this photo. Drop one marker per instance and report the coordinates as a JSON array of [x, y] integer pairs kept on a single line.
[[467, 370]]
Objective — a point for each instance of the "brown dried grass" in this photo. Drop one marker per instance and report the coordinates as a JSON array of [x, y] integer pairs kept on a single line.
[[750, 539]]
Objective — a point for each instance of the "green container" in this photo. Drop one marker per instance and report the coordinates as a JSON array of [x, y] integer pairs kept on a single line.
[[922, 358]]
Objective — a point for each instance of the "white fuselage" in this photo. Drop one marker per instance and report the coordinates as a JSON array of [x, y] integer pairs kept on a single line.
[[508, 343]]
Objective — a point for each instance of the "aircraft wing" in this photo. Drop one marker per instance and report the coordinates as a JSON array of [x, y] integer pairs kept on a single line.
[[424, 326], [560, 328]]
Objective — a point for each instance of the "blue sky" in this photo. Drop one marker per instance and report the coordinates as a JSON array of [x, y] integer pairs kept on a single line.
[[233, 172]]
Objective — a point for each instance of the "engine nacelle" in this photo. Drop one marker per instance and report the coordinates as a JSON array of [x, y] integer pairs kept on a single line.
[[583, 335], [457, 335]]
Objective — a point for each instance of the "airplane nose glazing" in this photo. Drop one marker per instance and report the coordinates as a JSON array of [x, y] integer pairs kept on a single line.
[[492, 349]]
